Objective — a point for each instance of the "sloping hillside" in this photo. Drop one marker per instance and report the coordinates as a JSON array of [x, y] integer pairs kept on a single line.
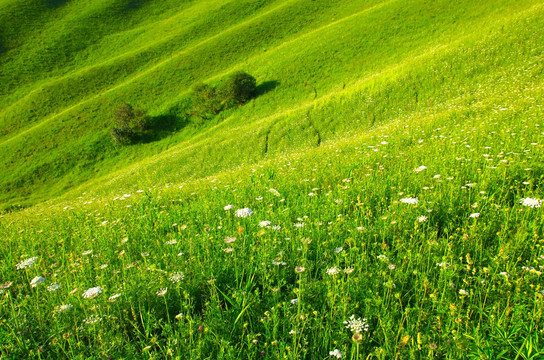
[[380, 199], [68, 69]]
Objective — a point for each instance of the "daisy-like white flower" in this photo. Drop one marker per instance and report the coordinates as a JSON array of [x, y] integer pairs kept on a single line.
[[113, 298], [274, 192], [409, 200], [63, 308], [336, 353], [53, 287], [27, 263], [264, 223], [356, 325], [228, 207], [37, 281], [93, 292], [230, 239], [162, 291], [422, 218], [243, 213], [177, 277], [333, 271], [474, 215], [529, 202]]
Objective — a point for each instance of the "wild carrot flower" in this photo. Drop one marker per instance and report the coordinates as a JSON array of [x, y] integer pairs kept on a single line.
[[37, 281], [243, 213], [27, 263], [409, 200], [93, 292], [264, 223], [63, 308], [336, 353], [474, 215], [177, 277], [228, 207], [533, 203], [53, 287], [162, 291], [333, 271], [356, 325]]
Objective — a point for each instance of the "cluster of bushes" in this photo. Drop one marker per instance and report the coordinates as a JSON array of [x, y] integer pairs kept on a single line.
[[130, 124], [207, 101]]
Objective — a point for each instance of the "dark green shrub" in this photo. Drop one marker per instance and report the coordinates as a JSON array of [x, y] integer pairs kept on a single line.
[[128, 122], [239, 88], [205, 101]]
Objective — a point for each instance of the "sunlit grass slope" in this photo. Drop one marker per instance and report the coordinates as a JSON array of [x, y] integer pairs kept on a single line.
[[429, 227], [62, 81], [393, 164]]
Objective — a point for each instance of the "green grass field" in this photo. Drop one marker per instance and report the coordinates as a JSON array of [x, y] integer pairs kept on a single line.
[[393, 164]]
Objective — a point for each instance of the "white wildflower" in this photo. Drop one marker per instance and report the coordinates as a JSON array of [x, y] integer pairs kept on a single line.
[[338, 250], [463, 292], [93, 292], [27, 263], [409, 200], [333, 271], [274, 192], [162, 291], [264, 223], [176, 277], [356, 325], [113, 298], [474, 215], [92, 319], [422, 218], [228, 207], [533, 203], [420, 168], [245, 212], [336, 353], [53, 287], [63, 308], [37, 281]]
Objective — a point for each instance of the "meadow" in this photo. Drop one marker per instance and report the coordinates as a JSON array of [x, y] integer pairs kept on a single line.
[[377, 206]]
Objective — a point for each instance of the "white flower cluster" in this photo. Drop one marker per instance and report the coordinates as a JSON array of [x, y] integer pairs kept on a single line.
[[177, 277], [63, 308], [37, 281], [27, 263], [333, 271], [93, 292], [533, 203], [409, 200], [356, 325], [336, 353], [245, 212]]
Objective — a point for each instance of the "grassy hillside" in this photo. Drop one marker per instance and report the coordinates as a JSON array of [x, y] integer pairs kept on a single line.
[[392, 162], [59, 95]]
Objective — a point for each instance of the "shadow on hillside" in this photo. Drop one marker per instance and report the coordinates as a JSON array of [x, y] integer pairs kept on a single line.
[[160, 127], [134, 4], [53, 4], [266, 87]]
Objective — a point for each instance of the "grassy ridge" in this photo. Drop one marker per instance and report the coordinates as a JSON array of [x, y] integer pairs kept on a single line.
[[76, 107]]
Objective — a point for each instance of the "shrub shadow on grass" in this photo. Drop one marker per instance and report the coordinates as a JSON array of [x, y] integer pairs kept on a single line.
[[266, 87], [53, 4], [161, 126], [134, 4]]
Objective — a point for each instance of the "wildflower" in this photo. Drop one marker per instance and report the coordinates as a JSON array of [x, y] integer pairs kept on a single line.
[[27, 263], [228, 250], [391, 266], [505, 274], [264, 223], [336, 353], [300, 269], [274, 192], [348, 270], [162, 291], [356, 325], [409, 200], [230, 239], [474, 215], [420, 168], [533, 203], [53, 287], [444, 265], [92, 319], [276, 227], [87, 252], [179, 316], [176, 277], [37, 281], [463, 292], [292, 332], [92, 292], [311, 194], [63, 308], [113, 298], [299, 225], [383, 258], [357, 337], [422, 218], [333, 271], [228, 207], [245, 212], [437, 176], [294, 301], [171, 242]]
